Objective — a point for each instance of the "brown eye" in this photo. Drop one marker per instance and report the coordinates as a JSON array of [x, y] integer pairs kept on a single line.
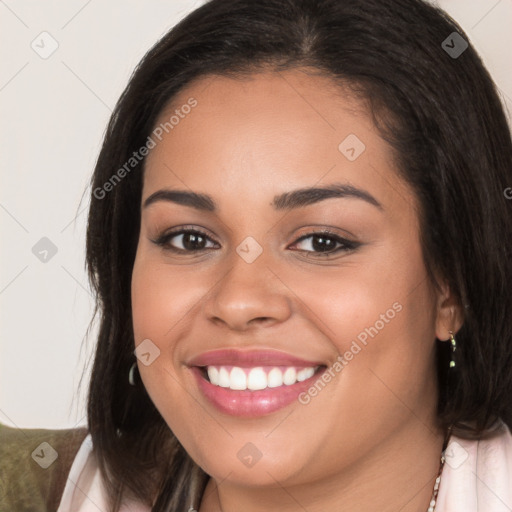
[[185, 240], [192, 241], [324, 243]]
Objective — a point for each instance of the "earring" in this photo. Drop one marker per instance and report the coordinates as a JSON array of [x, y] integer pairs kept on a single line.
[[131, 374], [454, 347]]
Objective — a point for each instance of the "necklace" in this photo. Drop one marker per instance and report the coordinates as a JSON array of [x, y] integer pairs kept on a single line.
[[435, 491]]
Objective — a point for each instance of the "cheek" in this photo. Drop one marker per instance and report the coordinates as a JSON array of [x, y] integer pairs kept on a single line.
[[165, 301], [363, 300], [157, 303], [161, 297], [380, 318]]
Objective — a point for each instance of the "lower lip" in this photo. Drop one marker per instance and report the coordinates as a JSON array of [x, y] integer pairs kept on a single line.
[[251, 404]]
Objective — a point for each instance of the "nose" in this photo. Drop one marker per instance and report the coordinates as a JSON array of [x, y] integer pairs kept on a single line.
[[248, 295]]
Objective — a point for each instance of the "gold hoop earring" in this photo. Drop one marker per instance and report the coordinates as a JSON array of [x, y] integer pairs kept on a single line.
[[454, 347]]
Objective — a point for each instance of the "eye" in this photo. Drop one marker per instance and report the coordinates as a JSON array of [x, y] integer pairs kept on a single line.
[[324, 243], [185, 240]]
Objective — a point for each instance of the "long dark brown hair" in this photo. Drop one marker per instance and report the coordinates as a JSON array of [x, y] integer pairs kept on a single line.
[[439, 111]]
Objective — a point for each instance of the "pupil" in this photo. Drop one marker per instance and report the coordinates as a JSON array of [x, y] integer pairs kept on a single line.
[[322, 244], [192, 241]]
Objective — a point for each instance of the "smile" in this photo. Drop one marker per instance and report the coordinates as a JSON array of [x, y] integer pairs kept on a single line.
[[252, 384]]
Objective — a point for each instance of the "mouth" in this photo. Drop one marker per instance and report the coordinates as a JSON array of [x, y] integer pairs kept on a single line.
[[257, 378], [252, 384]]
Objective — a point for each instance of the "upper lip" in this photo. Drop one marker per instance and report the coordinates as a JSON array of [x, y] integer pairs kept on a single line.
[[235, 357]]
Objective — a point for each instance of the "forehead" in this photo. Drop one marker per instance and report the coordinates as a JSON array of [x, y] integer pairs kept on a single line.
[[267, 133], [299, 100]]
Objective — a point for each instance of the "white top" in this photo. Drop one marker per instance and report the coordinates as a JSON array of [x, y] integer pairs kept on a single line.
[[477, 477]]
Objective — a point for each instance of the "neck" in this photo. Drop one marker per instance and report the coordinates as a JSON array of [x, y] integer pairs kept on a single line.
[[399, 474]]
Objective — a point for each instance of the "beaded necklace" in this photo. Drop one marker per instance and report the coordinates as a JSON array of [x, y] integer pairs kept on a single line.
[[435, 491]]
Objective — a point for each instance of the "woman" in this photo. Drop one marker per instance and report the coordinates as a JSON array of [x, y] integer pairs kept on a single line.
[[301, 246]]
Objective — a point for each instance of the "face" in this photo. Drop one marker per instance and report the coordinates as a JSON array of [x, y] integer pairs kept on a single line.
[[297, 271]]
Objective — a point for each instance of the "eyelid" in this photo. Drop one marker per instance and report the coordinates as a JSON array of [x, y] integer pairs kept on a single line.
[[315, 229]]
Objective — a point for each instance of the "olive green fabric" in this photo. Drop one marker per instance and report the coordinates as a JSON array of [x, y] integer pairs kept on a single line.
[[34, 466]]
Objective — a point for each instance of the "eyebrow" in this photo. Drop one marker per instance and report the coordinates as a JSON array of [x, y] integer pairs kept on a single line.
[[183, 197], [306, 196], [286, 201]]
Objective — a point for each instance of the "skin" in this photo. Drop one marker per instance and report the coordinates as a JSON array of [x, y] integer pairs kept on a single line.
[[369, 439]]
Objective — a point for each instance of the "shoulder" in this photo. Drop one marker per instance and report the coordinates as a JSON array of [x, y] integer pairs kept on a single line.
[[85, 490], [34, 466], [478, 474]]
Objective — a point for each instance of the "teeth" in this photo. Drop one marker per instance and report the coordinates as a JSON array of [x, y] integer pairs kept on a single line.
[[257, 378], [275, 378], [224, 380], [213, 375], [304, 374], [290, 376], [238, 379]]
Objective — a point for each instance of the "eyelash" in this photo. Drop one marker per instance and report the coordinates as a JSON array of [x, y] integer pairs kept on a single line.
[[344, 244]]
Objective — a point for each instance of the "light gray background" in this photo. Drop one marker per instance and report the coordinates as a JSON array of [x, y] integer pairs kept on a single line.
[[53, 113]]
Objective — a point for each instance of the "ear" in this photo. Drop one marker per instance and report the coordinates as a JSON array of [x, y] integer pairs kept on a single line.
[[449, 314]]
